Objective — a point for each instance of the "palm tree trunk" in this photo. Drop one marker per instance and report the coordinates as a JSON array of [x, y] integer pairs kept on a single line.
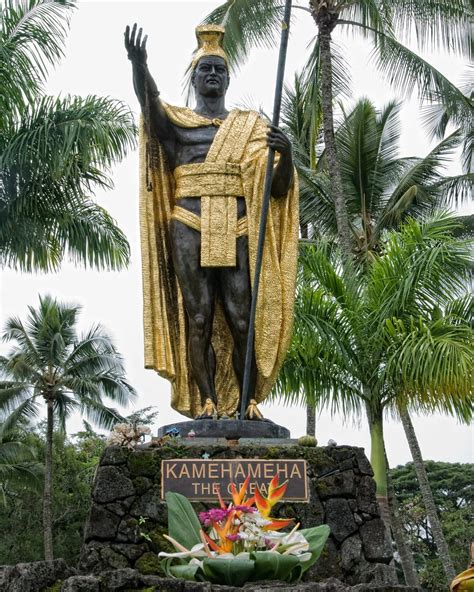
[[379, 465], [427, 496], [48, 483], [310, 420], [398, 532], [326, 22]]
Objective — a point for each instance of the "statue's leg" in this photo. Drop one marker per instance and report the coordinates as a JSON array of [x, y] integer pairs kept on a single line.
[[235, 293], [198, 286]]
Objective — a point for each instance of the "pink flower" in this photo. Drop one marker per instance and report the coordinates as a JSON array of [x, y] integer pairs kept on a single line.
[[217, 514], [245, 509], [212, 515], [204, 518], [233, 537]]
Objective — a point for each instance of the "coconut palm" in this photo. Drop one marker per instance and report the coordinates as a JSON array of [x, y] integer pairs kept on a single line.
[[381, 188], [54, 152], [392, 336], [51, 364], [386, 25]]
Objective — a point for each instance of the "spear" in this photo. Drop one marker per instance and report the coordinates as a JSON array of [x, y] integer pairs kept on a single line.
[[285, 29]]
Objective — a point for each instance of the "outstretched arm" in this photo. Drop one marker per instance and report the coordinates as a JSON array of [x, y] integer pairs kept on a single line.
[[283, 172], [145, 87]]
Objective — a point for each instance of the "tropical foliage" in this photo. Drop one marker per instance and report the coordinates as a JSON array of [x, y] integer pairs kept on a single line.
[[51, 364], [358, 333], [54, 152], [19, 465], [453, 492], [75, 459], [381, 188]]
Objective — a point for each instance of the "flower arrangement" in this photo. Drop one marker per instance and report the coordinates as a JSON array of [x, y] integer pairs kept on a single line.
[[127, 434], [239, 542]]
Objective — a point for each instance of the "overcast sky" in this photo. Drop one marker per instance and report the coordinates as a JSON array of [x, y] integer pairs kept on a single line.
[[96, 63]]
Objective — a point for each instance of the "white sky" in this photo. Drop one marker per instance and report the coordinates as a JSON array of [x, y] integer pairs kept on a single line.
[[96, 63]]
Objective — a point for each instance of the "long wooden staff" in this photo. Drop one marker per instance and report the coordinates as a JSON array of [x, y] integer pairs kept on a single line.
[[266, 202]]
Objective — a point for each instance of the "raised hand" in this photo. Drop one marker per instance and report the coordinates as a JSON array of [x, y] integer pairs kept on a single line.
[[136, 48]]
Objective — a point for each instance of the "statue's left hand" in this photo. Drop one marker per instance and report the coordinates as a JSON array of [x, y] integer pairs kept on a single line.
[[278, 140]]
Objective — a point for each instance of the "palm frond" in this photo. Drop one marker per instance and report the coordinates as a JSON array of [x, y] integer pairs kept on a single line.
[[407, 71], [32, 38], [456, 190], [248, 23], [102, 416], [422, 264], [27, 410], [12, 395], [432, 359], [436, 24], [60, 152], [418, 190]]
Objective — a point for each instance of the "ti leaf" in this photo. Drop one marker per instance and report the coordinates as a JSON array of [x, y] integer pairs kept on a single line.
[[233, 572], [183, 572], [183, 524], [316, 537], [270, 565]]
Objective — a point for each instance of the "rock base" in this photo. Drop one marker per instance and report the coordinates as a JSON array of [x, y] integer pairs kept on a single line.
[[55, 576], [128, 517]]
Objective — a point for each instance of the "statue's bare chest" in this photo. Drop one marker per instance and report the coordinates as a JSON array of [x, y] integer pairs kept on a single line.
[[192, 144]]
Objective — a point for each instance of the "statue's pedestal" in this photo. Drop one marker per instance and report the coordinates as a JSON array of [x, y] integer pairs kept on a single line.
[[229, 429], [127, 489]]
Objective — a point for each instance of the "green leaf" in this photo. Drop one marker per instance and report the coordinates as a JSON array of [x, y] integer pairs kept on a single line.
[[183, 524], [270, 565], [316, 537], [233, 572], [183, 572]]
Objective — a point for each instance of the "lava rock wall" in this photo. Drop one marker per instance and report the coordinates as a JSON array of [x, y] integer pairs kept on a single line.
[[128, 517]]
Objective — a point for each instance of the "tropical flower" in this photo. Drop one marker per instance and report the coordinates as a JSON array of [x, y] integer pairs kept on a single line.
[[239, 541]]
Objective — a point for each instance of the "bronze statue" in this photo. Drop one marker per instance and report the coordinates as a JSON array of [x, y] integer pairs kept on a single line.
[[201, 184]]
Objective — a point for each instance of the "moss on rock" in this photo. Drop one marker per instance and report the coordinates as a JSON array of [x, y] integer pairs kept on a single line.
[[142, 463], [149, 564], [56, 587], [158, 541]]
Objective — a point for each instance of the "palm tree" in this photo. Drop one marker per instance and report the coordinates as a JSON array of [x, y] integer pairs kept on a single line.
[[51, 364], [54, 152], [394, 335], [433, 24], [381, 188]]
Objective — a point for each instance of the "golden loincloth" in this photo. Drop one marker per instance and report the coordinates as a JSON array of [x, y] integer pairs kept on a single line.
[[218, 185]]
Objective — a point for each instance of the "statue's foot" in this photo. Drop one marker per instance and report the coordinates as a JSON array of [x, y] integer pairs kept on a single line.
[[253, 413], [208, 411]]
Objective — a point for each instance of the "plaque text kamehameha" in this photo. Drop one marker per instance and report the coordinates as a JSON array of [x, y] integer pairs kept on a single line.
[[200, 479]]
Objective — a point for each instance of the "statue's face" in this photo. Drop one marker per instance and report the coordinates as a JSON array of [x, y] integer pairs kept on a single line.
[[210, 77]]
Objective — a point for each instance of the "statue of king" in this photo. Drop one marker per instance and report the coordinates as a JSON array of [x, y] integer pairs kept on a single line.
[[201, 188]]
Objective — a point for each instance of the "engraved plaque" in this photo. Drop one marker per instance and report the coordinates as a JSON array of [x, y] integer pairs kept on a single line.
[[200, 479]]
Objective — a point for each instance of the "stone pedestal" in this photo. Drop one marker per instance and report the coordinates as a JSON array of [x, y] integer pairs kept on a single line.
[[128, 517], [229, 429]]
